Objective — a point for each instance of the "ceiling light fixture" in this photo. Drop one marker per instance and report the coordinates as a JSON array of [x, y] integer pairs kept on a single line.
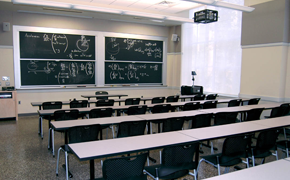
[[97, 9], [141, 14], [42, 3]]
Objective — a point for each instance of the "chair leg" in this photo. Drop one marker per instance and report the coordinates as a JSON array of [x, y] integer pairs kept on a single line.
[[49, 140], [66, 165], [253, 160], [219, 169], [57, 161]]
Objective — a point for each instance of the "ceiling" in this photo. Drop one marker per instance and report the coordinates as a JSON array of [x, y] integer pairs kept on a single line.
[[157, 12]]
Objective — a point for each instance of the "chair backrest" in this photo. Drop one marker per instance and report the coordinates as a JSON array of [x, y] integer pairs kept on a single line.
[[234, 148], [172, 124], [78, 104], [211, 97], [201, 120], [275, 112], [98, 113], [83, 133], [225, 118], [209, 104], [105, 102], [172, 98], [161, 108], [132, 101], [234, 102], [131, 128], [101, 93], [254, 114], [284, 109], [266, 140], [60, 115], [254, 101], [199, 97], [52, 105], [180, 155], [128, 167], [191, 106], [156, 100], [136, 110]]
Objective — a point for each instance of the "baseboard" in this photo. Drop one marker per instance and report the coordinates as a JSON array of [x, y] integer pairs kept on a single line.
[[27, 114]]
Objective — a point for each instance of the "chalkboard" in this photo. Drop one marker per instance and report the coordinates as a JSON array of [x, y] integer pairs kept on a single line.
[[126, 49], [39, 45], [136, 73], [47, 72]]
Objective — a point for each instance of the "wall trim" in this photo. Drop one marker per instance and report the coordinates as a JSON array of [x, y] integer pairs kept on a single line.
[[6, 47], [265, 45], [266, 98]]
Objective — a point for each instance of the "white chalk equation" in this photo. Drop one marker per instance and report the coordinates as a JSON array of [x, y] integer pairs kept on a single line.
[[64, 72], [133, 49], [131, 72], [56, 46]]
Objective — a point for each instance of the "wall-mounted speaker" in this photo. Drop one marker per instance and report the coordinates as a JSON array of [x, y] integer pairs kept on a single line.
[[6, 26], [174, 37]]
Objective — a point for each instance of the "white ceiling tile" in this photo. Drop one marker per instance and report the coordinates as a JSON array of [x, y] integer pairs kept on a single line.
[[102, 1], [123, 2]]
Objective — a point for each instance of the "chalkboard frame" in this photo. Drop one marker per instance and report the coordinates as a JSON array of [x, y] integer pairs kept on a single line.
[[17, 58]]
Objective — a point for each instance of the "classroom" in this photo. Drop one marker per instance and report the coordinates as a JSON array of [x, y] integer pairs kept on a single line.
[[264, 53]]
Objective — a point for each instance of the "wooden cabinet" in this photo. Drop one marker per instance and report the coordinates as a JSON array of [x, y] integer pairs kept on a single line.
[[8, 105]]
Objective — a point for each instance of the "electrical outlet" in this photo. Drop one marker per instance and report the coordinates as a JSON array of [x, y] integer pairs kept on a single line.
[[19, 102], [7, 83]]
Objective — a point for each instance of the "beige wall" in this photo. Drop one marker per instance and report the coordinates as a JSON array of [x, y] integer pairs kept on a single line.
[[174, 70], [6, 67], [287, 84]]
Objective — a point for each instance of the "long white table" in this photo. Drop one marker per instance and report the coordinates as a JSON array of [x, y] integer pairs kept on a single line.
[[276, 170], [98, 149]]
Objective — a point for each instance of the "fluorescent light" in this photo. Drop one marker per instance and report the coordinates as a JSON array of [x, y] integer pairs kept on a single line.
[[97, 9], [55, 14], [157, 20], [42, 3], [233, 6], [141, 14], [202, 1]]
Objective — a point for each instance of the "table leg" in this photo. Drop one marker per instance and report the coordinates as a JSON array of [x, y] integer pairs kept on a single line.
[[52, 139], [41, 127], [92, 169]]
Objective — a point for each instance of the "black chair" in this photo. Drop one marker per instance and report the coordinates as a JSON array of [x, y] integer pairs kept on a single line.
[[79, 104], [172, 124], [128, 101], [233, 150], [191, 106], [132, 101], [102, 112], [253, 114], [103, 102], [252, 101], [172, 98], [157, 100], [211, 97], [234, 102], [46, 106], [137, 110], [266, 142], [176, 162], [199, 97], [282, 110], [222, 118], [101, 93], [209, 104], [160, 108], [131, 128], [76, 135], [274, 113], [124, 168]]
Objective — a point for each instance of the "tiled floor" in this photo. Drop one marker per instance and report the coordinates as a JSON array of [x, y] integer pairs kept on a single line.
[[24, 155]]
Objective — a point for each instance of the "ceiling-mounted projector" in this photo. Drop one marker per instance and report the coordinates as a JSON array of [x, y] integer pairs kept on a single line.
[[205, 16]]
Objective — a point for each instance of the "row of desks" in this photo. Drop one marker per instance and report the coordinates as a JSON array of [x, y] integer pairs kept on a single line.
[[63, 125], [99, 149], [87, 110]]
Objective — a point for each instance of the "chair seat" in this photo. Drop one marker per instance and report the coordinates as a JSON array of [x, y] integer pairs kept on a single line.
[[171, 172], [143, 177], [282, 144], [224, 160], [261, 154]]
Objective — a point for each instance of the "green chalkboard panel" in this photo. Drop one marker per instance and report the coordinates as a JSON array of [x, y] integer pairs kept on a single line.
[[136, 73], [126, 49], [39, 45], [48, 72]]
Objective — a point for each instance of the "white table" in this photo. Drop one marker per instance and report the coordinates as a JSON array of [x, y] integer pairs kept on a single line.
[[276, 170]]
